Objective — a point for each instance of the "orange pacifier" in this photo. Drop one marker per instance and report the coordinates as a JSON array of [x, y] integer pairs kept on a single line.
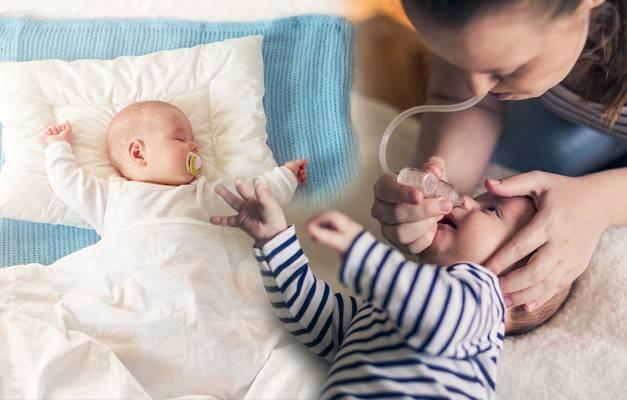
[[193, 164]]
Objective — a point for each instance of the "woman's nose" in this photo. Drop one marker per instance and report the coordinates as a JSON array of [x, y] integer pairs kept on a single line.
[[480, 84]]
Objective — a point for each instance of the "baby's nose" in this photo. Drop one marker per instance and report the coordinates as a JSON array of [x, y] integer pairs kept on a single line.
[[469, 203], [193, 147]]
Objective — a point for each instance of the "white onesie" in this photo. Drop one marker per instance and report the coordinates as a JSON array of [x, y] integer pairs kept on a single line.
[[111, 205]]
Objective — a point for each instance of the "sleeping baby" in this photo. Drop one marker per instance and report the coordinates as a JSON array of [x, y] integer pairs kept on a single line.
[[152, 146], [412, 330], [163, 294]]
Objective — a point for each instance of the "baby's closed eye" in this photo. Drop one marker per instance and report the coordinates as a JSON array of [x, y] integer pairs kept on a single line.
[[491, 210]]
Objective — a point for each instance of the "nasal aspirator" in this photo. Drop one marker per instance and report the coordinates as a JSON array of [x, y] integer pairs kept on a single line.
[[428, 183]]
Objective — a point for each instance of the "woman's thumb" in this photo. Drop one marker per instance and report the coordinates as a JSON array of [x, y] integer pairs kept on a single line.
[[437, 166], [530, 183]]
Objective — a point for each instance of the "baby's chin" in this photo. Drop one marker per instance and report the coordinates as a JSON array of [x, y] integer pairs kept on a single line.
[[436, 255]]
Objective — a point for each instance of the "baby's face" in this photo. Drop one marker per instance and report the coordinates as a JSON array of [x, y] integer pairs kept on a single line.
[[167, 145], [474, 231]]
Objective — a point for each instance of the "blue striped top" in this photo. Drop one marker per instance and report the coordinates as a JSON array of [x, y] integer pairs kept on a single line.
[[411, 331]]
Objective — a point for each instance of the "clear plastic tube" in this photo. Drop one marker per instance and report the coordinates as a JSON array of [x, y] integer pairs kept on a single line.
[[426, 182]]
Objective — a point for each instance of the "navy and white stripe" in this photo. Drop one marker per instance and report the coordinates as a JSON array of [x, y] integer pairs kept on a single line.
[[422, 331], [568, 105]]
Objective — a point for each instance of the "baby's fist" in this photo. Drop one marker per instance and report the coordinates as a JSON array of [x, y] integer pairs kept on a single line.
[[58, 133], [299, 169], [334, 229]]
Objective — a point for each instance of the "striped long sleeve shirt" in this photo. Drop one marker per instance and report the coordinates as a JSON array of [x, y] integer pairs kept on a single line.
[[412, 330]]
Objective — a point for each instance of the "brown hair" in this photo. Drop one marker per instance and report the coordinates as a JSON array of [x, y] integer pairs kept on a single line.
[[520, 321], [604, 59]]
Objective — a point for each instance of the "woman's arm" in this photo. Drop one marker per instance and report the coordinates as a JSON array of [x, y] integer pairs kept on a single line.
[[611, 189]]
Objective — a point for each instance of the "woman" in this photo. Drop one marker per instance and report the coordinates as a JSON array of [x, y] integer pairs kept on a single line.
[[573, 54]]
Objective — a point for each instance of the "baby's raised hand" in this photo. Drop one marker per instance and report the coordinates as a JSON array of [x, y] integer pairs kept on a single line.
[[259, 215], [334, 229], [58, 133], [299, 169]]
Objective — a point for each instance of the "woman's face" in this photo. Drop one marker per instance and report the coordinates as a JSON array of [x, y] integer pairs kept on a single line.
[[514, 53]]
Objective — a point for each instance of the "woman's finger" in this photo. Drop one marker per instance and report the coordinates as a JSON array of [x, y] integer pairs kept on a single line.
[[524, 242], [422, 242], [388, 190], [436, 166], [537, 269], [541, 282], [528, 296], [402, 213], [551, 286], [231, 198], [404, 234], [530, 183]]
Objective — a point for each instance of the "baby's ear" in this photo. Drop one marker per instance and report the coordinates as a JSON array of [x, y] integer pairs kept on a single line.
[[136, 151]]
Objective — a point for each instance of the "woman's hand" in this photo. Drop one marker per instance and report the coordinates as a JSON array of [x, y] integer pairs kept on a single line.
[[259, 215], [408, 220], [564, 233]]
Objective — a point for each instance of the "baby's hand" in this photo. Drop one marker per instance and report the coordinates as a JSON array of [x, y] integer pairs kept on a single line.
[[58, 133], [259, 215], [334, 229], [299, 169]]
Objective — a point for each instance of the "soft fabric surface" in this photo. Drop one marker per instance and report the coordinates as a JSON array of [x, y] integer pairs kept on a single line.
[[219, 87], [581, 353], [305, 58], [165, 308]]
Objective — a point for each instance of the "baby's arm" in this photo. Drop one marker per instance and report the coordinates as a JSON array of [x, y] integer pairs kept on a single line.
[[312, 312], [455, 311], [84, 194], [284, 180], [281, 181], [307, 306]]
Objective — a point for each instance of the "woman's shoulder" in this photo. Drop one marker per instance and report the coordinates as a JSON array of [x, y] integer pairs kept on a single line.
[[567, 103]]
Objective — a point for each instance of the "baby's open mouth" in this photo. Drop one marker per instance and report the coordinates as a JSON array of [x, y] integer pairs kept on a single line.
[[448, 220]]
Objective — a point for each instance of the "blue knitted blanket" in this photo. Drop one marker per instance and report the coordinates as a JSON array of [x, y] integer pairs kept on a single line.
[[307, 64]]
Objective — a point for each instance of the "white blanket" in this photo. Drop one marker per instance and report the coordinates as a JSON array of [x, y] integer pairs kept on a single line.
[[163, 310]]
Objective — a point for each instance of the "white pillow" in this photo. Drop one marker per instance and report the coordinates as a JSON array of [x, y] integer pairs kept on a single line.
[[219, 86]]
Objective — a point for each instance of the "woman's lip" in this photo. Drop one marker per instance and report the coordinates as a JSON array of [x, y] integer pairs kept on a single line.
[[502, 96]]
